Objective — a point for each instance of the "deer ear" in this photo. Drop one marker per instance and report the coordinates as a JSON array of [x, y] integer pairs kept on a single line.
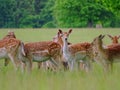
[[70, 31], [101, 36], [118, 36], [110, 36], [60, 31]]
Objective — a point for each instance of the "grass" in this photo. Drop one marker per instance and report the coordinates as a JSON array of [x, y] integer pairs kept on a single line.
[[47, 80]]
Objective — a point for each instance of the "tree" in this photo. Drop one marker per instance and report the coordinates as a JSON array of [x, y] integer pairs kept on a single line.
[[114, 7], [23, 8], [59, 13], [80, 13], [6, 11], [47, 14]]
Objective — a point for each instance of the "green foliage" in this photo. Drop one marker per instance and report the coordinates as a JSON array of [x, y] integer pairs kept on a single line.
[[30, 21], [49, 24], [81, 13], [6, 11], [113, 7], [59, 13], [47, 14]]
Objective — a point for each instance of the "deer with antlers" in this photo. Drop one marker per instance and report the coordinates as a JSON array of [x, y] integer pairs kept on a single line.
[[74, 53], [105, 56]]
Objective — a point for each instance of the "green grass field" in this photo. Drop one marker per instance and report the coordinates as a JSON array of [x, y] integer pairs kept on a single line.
[[62, 80]]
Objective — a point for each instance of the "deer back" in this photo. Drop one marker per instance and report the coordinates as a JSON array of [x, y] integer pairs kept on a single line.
[[79, 47], [49, 46]]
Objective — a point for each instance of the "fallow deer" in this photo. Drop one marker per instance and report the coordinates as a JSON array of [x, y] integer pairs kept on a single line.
[[11, 48], [105, 56], [42, 51], [114, 39], [50, 65], [10, 34], [57, 39], [76, 52]]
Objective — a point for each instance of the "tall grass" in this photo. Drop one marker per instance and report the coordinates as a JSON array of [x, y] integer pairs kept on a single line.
[[61, 80]]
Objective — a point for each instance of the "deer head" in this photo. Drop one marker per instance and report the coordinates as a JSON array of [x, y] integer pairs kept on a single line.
[[114, 38], [98, 40], [65, 35]]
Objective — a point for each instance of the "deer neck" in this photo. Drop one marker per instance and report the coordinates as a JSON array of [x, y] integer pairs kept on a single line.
[[65, 46], [60, 41], [100, 48], [115, 42]]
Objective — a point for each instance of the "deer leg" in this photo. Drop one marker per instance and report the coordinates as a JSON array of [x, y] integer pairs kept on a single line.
[[72, 65], [81, 65], [54, 62], [22, 67], [12, 58], [87, 64], [111, 66], [106, 67], [6, 61], [29, 64], [65, 65], [39, 65]]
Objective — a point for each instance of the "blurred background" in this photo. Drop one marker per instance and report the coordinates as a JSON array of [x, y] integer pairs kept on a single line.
[[59, 13]]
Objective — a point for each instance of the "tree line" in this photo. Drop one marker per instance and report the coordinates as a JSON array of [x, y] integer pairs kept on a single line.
[[59, 13]]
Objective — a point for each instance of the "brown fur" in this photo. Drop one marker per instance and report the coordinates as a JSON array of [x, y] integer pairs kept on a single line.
[[105, 56], [9, 35], [12, 48], [79, 47], [114, 50], [53, 50], [114, 39], [74, 49], [52, 47]]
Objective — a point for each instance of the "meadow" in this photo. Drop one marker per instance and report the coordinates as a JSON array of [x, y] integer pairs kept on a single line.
[[61, 80]]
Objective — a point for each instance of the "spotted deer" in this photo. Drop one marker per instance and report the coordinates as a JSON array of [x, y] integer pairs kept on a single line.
[[114, 39], [42, 51], [74, 53], [48, 64], [10, 34], [58, 39], [105, 56], [11, 48]]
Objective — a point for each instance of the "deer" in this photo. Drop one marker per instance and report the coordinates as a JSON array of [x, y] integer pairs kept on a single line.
[[114, 39], [58, 40], [12, 48], [41, 52], [10, 34], [74, 53], [48, 64], [105, 56]]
